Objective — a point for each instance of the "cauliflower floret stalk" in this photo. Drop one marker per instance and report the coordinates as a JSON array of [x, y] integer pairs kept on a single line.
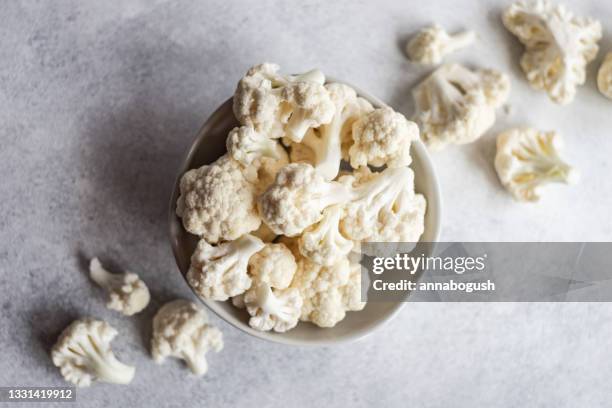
[[261, 156], [382, 137], [528, 159], [297, 199], [604, 76], [269, 101], [83, 354], [323, 243], [381, 202], [128, 294], [277, 309], [457, 105], [181, 330], [219, 272], [325, 143], [217, 201], [431, 44], [558, 46]]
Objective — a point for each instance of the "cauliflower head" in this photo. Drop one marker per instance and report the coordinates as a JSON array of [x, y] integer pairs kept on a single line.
[[297, 199], [310, 106], [217, 202], [382, 138], [457, 105], [128, 294], [83, 354], [431, 44], [604, 76], [558, 46], [274, 265], [528, 159], [181, 330], [219, 272]]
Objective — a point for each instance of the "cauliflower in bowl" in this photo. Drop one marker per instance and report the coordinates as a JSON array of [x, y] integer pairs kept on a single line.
[[280, 223]]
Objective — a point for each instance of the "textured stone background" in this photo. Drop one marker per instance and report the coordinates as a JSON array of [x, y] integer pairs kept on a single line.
[[99, 100]]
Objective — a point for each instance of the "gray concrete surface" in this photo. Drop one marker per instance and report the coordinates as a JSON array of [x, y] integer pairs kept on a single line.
[[99, 100]]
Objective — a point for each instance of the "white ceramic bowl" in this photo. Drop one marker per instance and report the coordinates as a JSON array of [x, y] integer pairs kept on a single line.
[[208, 146]]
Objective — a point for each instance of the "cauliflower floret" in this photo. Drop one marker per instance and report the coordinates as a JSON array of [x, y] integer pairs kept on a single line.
[[83, 354], [323, 243], [277, 309], [297, 199], [528, 159], [457, 105], [261, 156], [274, 265], [382, 137], [181, 330], [384, 206], [219, 272], [323, 147], [558, 46], [431, 44], [604, 76], [263, 100], [351, 292], [128, 294], [217, 202]]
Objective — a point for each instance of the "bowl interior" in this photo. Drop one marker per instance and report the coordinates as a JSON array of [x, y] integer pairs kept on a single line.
[[208, 146]]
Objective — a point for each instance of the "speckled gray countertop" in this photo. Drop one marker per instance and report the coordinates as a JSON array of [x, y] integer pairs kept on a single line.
[[100, 100]]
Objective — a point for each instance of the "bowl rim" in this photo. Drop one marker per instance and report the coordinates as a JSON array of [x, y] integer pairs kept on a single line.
[[434, 204]]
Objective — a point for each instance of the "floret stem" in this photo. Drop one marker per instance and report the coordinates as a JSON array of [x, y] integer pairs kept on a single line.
[[381, 191], [196, 364], [314, 75], [101, 276], [460, 40], [105, 365], [333, 193], [297, 125]]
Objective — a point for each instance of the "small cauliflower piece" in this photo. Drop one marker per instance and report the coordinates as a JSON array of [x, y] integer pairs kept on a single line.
[[181, 330], [528, 159], [457, 105], [274, 265], [217, 202], [219, 272], [83, 354], [604, 76], [128, 294], [382, 138], [431, 44], [323, 243], [323, 147], [558, 46], [276, 104], [297, 199], [273, 309]]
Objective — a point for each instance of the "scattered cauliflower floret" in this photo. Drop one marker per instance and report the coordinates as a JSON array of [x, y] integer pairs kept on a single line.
[[181, 330], [431, 44], [273, 309], [558, 46], [457, 105], [528, 159], [275, 104], [83, 354], [604, 76], [219, 272], [297, 199], [323, 147], [128, 294], [217, 202], [323, 243], [382, 137]]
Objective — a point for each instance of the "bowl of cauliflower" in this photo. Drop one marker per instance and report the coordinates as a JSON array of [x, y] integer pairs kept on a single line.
[[282, 185]]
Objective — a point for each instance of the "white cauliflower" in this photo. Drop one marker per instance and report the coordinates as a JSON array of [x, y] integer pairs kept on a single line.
[[604, 76], [432, 43], [219, 272], [528, 159], [297, 199], [217, 202], [384, 207], [457, 105], [323, 243], [274, 265], [276, 104], [382, 138], [277, 309], [323, 147], [181, 330], [128, 294], [83, 354], [351, 292], [558, 45], [261, 156]]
